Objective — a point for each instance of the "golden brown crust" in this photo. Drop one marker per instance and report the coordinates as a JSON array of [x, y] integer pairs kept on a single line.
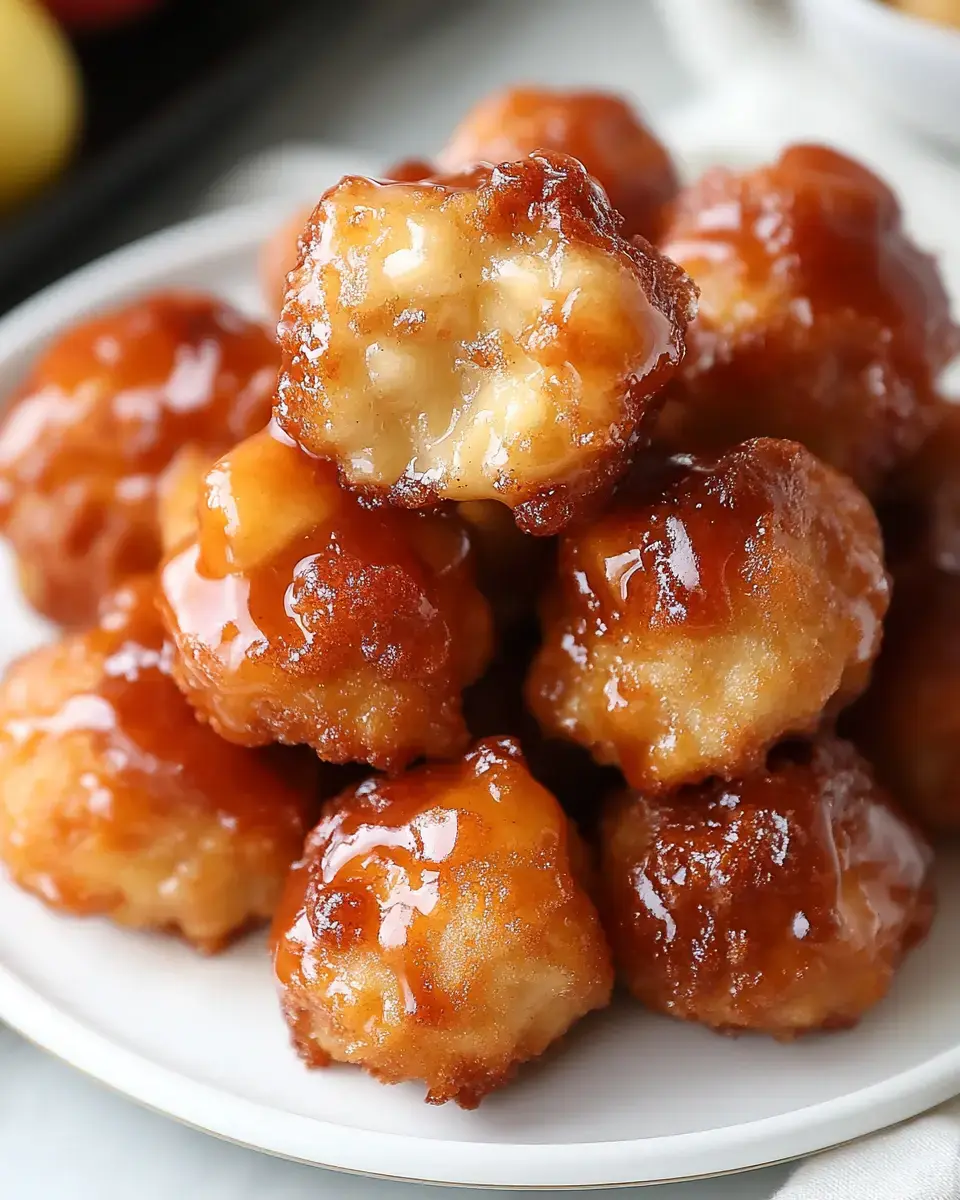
[[488, 337], [715, 609], [301, 617], [820, 320], [782, 902], [116, 801], [600, 130], [435, 929], [908, 721], [103, 411]]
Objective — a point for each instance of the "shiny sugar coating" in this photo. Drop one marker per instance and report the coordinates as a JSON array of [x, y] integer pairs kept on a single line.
[[489, 337], [116, 801], [820, 319], [436, 930], [908, 722], [716, 608], [102, 412], [301, 617], [782, 902], [599, 129]]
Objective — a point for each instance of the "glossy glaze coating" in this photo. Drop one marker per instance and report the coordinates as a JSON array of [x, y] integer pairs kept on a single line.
[[103, 410], [693, 626], [436, 931], [301, 617], [908, 722], [116, 801], [820, 320], [781, 902], [489, 337], [599, 129]]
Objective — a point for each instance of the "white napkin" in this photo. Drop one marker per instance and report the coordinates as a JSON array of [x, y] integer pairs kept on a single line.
[[919, 1160]]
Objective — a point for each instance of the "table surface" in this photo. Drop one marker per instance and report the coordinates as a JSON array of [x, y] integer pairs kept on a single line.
[[394, 88]]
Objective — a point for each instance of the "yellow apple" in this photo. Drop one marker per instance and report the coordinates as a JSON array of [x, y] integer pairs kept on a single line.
[[40, 99]]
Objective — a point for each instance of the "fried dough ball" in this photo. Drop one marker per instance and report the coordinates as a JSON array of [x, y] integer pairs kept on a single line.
[[691, 629], [301, 617], [908, 722], [116, 801], [436, 929], [599, 129], [820, 320], [487, 338], [104, 409], [782, 902]]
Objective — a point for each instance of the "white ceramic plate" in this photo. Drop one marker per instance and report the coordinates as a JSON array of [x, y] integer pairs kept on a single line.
[[629, 1097]]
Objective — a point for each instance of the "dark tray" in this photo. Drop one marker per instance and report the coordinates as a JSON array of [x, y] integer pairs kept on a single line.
[[152, 88]]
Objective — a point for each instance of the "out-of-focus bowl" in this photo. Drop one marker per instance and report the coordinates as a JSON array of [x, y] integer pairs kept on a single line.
[[905, 66]]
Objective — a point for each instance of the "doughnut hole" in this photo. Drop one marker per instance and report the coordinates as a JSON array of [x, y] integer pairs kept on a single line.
[[490, 337], [782, 902], [436, 929], [116, 801], [599, 129], [102, 412], [301, 617], [693, 626], [820, 319]]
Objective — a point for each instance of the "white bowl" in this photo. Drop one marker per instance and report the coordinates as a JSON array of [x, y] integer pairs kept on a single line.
[[903, 66]]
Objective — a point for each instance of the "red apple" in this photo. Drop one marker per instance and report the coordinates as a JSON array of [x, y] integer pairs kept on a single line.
[[98, 14]]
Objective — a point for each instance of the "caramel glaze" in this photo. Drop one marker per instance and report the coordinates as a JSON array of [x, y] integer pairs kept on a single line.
[[820, 320], [116, 800], [435, 929], [782, 902], [301, 617], [599, 129], [908, 721], [100, 415], [717, 607], [487, 336]]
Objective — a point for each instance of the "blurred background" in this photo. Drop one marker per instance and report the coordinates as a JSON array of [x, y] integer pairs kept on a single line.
[[119, 116]]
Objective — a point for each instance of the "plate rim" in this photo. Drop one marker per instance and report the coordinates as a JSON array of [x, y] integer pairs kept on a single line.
[[228, 1115]]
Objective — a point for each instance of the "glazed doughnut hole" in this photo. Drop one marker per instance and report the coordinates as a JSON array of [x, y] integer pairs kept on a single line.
[[436, 928], [301, 617], [487, 338], [600, 130], [116, 801], [820, 319], [690, 630], [781, 902], [102, 412]]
